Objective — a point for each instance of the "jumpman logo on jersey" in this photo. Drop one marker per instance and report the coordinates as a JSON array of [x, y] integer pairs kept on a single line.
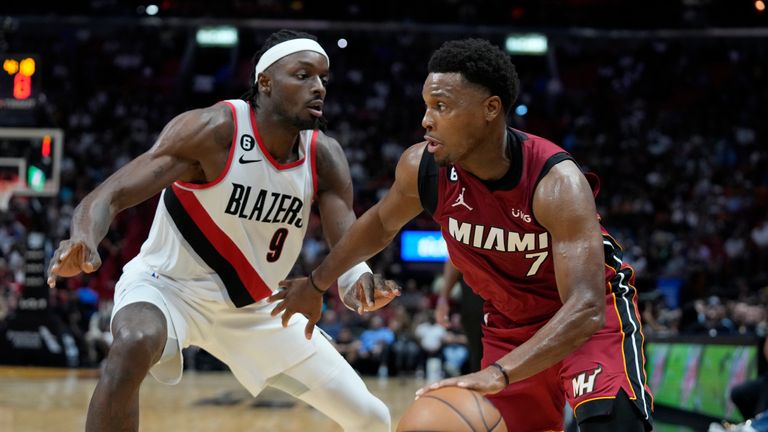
[[460, 201]]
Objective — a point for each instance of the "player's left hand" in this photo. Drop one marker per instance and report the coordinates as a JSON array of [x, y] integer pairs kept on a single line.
[[486, 381], [369, 293], [298, 296]]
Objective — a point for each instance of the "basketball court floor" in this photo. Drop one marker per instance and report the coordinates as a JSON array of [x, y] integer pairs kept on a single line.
[[55, 400], [36, 399]]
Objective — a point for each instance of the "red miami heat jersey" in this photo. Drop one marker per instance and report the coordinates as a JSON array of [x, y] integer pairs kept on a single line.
[[492, 235], [245, 229], [505, 256]]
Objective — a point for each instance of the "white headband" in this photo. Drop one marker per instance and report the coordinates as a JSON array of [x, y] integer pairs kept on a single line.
[[287, 48]]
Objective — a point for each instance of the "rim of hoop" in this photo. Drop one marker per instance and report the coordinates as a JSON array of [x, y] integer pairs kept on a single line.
[[7, 187]]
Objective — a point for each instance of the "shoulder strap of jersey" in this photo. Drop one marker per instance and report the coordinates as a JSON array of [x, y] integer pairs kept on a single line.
[[428, 182], [311, 138], [552, 161]]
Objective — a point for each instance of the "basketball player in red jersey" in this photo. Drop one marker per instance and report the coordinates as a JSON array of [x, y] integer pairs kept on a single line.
[[561, 320], [238, 180]]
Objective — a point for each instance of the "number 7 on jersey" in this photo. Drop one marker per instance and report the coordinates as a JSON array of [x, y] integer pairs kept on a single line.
[[539, 258]]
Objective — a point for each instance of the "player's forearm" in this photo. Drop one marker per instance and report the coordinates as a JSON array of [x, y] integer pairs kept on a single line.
[[568, 329], [450, 277], [364, 239], [92, 218]]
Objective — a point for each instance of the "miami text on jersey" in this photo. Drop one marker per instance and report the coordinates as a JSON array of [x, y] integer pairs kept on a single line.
[[490, 238]]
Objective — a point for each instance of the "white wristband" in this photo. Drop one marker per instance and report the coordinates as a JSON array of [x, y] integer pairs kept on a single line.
[[352, 275]]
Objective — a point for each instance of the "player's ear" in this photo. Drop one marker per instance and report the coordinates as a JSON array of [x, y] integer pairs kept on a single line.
[[265, 84], [493, 108]]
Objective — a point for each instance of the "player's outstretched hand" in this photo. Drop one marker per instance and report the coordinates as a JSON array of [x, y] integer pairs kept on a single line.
[[71, 258], [485, 381], [370, 292], [298, 296]]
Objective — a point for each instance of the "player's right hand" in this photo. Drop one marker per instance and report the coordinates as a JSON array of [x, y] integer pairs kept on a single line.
[[441, 312], [298, 296], [485, 381], [71, 258]]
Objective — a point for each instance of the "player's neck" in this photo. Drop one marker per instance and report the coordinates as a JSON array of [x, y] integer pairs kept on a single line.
[[489, 160], [278, 138]]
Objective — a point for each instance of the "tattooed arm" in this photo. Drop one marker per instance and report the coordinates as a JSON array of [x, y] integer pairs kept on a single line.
[[193, 147]]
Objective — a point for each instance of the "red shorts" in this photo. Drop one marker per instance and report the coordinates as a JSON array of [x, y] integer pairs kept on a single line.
[[588, 378]]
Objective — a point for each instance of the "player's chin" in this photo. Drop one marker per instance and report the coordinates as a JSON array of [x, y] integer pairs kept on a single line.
[[307, 121], [442, 160]]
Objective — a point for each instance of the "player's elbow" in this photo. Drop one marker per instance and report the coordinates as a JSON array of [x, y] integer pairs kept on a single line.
[[593, 317]]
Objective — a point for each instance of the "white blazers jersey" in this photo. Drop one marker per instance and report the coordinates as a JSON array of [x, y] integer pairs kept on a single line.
[[243, 230]]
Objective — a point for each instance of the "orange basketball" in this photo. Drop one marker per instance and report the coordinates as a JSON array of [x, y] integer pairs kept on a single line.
[[452, 409]]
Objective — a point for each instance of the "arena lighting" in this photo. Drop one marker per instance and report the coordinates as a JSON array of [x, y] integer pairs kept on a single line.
[[342, 43], [529, 43], [36, 178], [220, 36], [45, 150], [760, 5], [27, 67]]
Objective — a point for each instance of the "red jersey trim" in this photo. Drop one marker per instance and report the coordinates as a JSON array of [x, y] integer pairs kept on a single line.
[[266, 153], [313, 158], [223, 172], [223, 244]]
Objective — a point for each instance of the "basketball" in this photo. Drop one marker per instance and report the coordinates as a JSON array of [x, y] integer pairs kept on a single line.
[[452, 409]]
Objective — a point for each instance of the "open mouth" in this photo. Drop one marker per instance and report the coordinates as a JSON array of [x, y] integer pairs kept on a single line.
[[432, 144], [315, 108]]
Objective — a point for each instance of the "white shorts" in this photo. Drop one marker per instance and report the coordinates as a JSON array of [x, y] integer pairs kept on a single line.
[[247, 339]]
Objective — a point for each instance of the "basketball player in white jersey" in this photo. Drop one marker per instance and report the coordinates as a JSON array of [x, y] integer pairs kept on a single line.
[[237, 180]]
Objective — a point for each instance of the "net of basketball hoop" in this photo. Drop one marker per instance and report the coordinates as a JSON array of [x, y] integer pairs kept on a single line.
[[7, 187]]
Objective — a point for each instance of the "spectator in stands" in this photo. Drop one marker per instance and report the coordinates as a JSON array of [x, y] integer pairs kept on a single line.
[[374, 346], [685, 178], [348, 346], [711, 318], [330, 323], [455, 347], [430, 336]]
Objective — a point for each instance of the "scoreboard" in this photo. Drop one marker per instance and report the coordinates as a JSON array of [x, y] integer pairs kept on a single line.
[[19, 81]]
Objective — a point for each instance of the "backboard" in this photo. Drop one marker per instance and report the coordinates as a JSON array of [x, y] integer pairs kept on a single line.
[[34, 155]]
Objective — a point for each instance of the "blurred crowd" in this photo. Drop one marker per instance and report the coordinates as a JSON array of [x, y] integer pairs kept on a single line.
[[672, 126]]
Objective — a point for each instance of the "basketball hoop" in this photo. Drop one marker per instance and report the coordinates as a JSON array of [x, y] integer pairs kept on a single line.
[[7, 187]]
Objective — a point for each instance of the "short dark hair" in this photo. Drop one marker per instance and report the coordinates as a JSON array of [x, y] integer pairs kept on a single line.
[[275, 38], [481, 63]]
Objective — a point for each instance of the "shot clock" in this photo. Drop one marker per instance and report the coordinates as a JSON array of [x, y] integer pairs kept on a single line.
[[19, 81]]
